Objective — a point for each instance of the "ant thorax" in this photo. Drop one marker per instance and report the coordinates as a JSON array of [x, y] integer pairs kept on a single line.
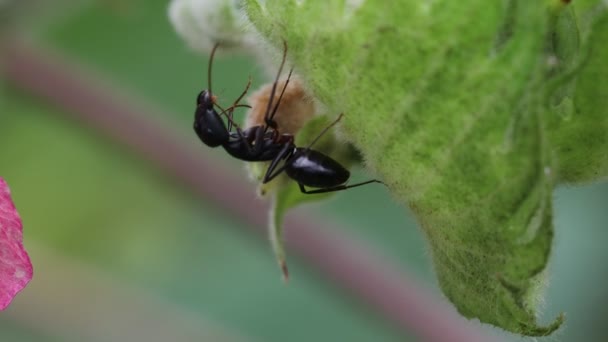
[[295, 109]]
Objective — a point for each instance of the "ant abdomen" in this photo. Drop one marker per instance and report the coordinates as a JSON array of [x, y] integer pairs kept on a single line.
[[315, 169]]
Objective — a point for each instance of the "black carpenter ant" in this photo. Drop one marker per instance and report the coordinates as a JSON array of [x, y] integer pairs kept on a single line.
[[306, 166], [312, 168]]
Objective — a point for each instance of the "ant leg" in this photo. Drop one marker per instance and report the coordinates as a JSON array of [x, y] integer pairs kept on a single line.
[[258, 138], [325, 131], [239, 131], [244, 92], [258, 135], [335, 188], [235, 105], [269, 119], [231, 108], [242, 106], [258, 141], [274, 85], [284, 154], [229, 117]]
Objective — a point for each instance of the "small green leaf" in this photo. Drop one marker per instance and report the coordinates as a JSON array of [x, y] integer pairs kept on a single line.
[[455, 105], [285, 198]]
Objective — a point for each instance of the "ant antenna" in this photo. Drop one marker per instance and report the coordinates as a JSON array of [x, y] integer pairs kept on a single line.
[[230, 110], [210, 64], [230, 122], [325, 130], [274, 85]]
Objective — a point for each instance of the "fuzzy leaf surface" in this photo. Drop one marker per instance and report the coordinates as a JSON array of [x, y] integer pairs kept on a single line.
[[454, 104]]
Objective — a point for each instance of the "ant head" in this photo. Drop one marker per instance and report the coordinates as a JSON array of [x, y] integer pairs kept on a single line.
[[205, 99], [208, 125]]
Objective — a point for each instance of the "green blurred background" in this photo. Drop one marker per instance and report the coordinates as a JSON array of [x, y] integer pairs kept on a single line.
[[122, 252]]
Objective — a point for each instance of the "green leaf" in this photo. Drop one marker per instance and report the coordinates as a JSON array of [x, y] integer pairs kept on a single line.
[[454, 104]]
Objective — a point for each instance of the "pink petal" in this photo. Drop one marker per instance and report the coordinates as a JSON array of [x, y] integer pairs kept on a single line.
[[15, 266]]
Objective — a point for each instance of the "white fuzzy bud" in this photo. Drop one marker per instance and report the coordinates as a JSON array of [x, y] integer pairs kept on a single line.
[[203, 23]]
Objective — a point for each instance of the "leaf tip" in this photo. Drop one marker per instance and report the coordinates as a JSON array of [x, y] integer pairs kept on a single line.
[[284, 270], [545, 330]]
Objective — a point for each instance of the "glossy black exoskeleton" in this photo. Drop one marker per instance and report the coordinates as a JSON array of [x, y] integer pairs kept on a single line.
[[208, 124]]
